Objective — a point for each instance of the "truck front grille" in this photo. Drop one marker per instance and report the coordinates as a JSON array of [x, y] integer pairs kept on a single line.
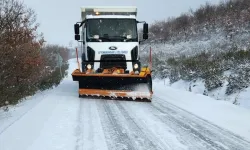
[[110, 61]]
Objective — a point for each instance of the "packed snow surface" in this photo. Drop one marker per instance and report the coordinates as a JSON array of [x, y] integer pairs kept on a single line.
[[175, 119]]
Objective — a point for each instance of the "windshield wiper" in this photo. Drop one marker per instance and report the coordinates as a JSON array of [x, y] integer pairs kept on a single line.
[[94, 40], [105, 38], [100, 39], [123, 38]]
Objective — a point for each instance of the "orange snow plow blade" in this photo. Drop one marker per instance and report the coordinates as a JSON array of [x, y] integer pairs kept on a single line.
[[115, 83]]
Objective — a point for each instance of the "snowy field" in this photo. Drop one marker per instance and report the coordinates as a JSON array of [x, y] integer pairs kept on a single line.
[[58, 120]]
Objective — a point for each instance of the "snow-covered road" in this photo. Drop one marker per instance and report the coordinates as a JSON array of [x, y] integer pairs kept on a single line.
[[160, 125], [58, 120]]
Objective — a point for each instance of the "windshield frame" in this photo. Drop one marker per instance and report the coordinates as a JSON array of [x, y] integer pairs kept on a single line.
[[112, 39]]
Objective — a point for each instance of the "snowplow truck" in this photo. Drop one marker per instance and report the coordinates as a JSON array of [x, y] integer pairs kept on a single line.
[[109, 64]]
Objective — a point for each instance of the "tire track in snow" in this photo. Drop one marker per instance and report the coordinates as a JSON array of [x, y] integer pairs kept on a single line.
[[145, 139], [187, 134], [201, 130], [89, 130], [154, 128], [116, 136], [79, 128]]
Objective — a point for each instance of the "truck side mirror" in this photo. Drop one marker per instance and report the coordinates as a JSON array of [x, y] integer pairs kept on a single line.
[[77, 37], [77, 26], [145, 36], [145, 31]]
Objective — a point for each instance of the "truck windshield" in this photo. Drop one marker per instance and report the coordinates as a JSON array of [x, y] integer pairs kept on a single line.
[[111, 30]]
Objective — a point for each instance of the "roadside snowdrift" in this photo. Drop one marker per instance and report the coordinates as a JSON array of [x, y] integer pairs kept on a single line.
[[241, 98], [222, 113]]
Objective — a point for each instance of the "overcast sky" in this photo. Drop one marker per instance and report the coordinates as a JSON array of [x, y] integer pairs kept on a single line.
[[57, 17]]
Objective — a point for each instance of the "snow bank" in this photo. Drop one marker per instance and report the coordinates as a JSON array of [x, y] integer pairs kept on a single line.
[[242, 98], [226, 115]]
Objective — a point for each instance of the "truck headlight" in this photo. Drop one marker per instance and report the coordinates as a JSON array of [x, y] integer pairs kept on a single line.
[[136, 66], [89, 66]]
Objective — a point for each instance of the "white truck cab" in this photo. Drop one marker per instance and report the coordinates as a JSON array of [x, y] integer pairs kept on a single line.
[[110, 38]]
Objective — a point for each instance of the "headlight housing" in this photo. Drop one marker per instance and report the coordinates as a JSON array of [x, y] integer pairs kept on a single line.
[[136, 66], [89, 66]]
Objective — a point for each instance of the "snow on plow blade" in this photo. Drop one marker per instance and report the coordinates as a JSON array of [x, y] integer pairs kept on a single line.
[[115, 94], [128, 86]]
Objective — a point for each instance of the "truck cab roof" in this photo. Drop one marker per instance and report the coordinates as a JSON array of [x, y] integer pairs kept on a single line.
[[108, 12], [111, 16]]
